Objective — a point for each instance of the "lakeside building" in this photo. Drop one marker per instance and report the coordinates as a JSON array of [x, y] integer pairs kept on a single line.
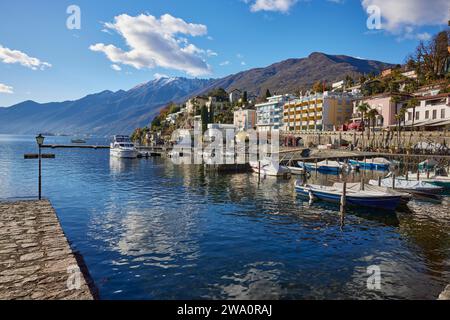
[[195, 104], [269, 115], [318, 112], [216, 105], [385, 106], [245, 119], [433, 113], [226, 130]]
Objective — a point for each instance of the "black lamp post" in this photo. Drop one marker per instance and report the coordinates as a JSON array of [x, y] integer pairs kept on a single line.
[[40, 141]]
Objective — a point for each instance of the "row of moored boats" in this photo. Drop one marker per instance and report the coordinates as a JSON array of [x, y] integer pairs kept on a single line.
[[388, 193]]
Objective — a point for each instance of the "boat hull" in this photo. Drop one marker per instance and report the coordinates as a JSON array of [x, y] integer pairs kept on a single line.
[[124, 154], [269, 169], [370, 166], [381, 202], [324, 169]]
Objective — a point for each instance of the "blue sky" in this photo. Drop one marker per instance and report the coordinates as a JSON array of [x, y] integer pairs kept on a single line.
[[124, 43]]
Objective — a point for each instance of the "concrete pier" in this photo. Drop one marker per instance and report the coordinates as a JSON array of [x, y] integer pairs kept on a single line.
[[36, 261]]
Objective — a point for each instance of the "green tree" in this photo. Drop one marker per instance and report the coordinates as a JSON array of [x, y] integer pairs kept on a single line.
[[245, 97], [156, 123], [349, 81], [268, 94], [219, 93], [205, 118], [211, 116], [372, 117], [363, 108]]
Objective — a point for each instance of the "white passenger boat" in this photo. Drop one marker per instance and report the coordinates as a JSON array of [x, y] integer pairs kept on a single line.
[[269, 167], [122, 147]]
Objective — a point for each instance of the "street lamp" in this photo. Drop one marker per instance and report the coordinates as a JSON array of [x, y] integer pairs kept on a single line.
[[40, 141]]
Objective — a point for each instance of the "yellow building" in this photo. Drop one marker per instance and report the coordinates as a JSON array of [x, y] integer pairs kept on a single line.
[[318, 112]]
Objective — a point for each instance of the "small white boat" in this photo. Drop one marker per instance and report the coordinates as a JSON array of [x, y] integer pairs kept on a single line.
[[297, 170], [406, 197], [414, 187], [323, 166], [432, 178], [122, 147], [269, 167]]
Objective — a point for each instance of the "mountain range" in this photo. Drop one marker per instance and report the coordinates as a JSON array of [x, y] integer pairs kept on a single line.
[[121, 112]]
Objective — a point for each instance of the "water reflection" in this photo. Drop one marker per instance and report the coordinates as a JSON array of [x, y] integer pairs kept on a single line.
[[149, 229]]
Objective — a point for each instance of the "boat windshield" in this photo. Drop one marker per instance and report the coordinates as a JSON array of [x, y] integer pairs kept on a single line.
[[123, 145]]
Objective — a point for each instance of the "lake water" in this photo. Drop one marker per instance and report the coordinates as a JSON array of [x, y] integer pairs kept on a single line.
[[148, 229]]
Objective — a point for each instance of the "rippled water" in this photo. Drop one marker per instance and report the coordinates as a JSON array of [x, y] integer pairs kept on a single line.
[[151, 230]]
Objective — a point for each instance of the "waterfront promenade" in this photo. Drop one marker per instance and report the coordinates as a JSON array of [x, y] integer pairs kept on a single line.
[[445, 295], [36, 261]]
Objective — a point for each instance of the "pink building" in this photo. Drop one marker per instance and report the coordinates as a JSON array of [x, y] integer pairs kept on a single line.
[[385, 107]]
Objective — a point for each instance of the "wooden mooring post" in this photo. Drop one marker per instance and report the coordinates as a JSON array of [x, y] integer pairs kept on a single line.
[[344, 197]]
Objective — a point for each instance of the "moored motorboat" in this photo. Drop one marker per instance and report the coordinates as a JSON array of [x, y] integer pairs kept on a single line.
[[414, 187], [297, 170], [269, 167], [405, 197], [429, 177], [380, 164], [323, 166], [122, 147], [373, 199]]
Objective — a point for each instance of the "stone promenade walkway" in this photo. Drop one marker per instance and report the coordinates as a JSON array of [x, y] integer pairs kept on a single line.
[[36, 261], [445, 295]]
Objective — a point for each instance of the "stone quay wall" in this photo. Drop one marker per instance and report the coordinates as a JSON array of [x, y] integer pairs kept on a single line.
[[36, 261], [376, 139]]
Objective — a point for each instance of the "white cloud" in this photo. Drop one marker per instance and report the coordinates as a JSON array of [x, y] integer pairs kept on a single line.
[[160, 75], [15, 56], [243, 63], [116, 67], [211, 53], [225, 63], [6, 89], [403, 16], [271, 5], [156, 42]]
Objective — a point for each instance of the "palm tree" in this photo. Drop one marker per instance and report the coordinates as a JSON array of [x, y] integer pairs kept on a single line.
[[400, 116], [372, 116], [413, 103], [362, 109]]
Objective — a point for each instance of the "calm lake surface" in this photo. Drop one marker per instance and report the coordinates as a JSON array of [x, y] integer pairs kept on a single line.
[[148, 229]]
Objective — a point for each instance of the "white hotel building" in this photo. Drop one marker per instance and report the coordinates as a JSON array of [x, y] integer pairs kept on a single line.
[[432, 114], [270, 114]]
